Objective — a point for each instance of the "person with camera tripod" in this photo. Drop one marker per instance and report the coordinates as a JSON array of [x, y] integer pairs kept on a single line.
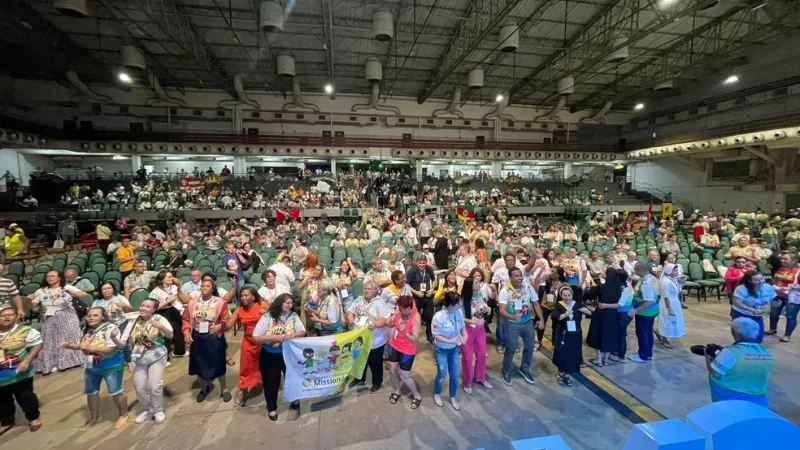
[[741, 371]]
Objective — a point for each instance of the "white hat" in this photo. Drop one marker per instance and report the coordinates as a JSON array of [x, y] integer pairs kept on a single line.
[[13, 225]]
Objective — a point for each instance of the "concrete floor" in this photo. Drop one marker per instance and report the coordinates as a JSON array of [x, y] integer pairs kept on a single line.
[[673, 385]]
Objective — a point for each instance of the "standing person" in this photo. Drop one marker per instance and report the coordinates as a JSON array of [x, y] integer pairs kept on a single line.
[[422, 282], [785, 281], [670, 318], [60, 324], [567, 316], [449, 331], [343, 281], [271, 288], [68, 230], [424, 230], [327, 317], [279, 325], [248, 314], [171, 300], [126, 256], [146, 336], [476, 308], [624, 305], [103, 235], [20, 345], [104, 361], [441, 251], [750, 300], [203, 329], [371, 311], [603, 328], [734, 275], [644, 311], [404, 328], [232, 266], [397, 288], [515, 300], [9, 294]]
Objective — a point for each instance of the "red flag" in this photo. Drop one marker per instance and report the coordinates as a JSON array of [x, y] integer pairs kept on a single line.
[[650, 210], [282, 215], [190, 184]]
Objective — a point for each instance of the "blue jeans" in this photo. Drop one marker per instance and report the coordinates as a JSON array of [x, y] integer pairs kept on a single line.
[[447, 361], [92, 381], [623, 320], [791, 316], [500, 331], [644, 334], [514, 332], [757, 319]]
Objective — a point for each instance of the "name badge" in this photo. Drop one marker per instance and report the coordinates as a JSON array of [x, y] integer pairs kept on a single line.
[[517, 304], [204, 326], [344, 293], [89, 361], [361, 322], [135, 356], [550, 298], [423, 287], [571, 325], [50, 311]]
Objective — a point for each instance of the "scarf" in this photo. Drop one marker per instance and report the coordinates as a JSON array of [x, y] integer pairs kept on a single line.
[[395, 289]]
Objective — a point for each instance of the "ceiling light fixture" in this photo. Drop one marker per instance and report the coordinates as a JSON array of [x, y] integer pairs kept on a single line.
[[499, 98], [731, 79], [639, 106], [329, 89], [125, 78]]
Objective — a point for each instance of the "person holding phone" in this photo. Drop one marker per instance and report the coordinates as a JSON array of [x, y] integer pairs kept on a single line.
[[450, 333]]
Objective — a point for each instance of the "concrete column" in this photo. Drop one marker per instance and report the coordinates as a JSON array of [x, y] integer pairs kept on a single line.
[[136, 163], [567, 170], [497, 167], [419, 169], [333, 167], [239, 166]]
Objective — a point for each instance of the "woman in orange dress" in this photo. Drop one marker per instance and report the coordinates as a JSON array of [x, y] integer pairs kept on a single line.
[[248, 314]]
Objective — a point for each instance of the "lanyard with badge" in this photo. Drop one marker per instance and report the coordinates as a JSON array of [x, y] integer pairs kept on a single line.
[[205, 325], [423, 286], [570, 320], [142, 338]]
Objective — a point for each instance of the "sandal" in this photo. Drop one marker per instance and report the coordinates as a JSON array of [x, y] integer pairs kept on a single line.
[[537, 346], [393, 398], [230, 361], [271, 417], [560, 379], [597, 363], [615, 360], [415, 402], [567, 381]]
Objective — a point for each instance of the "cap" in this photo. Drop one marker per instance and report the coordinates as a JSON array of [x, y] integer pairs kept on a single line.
[[13, 225]]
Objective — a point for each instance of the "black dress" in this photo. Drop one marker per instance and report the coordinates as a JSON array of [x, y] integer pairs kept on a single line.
[[603, 328], [567, 344]]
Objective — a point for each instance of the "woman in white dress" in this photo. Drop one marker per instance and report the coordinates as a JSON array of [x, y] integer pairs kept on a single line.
[[670, 317]]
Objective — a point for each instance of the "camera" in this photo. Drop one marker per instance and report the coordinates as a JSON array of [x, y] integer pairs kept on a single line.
[[712, 350]]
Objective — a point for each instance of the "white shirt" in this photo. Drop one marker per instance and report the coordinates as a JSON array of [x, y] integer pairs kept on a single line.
[[271, 294], [161, 295], [283, 275], [375, 311]]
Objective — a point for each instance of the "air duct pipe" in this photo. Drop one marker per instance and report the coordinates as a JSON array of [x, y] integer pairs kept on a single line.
[[297, 98], [161, 98], [553, 114], [600, 115], [238, 86], [375, 89], [452, 108], [497, 113], [84, 90]]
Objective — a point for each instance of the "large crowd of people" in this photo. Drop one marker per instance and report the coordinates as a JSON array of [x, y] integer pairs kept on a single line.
[[397, 274]]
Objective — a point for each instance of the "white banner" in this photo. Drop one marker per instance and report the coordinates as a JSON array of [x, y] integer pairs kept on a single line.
[[320, 366]]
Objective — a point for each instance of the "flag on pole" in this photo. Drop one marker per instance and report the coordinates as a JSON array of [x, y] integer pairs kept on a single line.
[[466, 212], [282, 215], [190, 184]]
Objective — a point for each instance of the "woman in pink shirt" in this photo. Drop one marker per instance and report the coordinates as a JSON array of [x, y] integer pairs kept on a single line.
[[404, 329], [733, 276]]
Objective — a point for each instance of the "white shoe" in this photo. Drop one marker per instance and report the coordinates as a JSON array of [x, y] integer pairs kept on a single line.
[[168, 364], [143, 417], [438, 400], [468, 390], [485, 384], [160, 417]]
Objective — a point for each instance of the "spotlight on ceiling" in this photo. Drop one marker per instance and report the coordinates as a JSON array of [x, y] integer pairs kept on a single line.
[[329, 89], [639, 106], [125, 78], [499, 98], [731, 79]]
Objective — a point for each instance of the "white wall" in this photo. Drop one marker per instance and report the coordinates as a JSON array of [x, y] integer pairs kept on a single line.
[[673, 175], [21, 165]]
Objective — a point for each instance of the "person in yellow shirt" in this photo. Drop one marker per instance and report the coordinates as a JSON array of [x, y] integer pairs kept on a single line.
[[126, 257], [352, 241], [16, 243], [103, 236]]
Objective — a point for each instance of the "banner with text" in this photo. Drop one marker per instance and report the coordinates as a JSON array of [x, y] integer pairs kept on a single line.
[[320, 366]]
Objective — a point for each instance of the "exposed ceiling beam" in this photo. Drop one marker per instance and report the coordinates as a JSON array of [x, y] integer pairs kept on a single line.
[[617, 25], [763, 155], [482, 18]]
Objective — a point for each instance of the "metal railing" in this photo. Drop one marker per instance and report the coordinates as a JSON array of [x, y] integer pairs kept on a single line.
[[656, 193]]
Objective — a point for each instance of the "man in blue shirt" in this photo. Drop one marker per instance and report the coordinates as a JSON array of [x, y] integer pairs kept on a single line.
[[232, 266]]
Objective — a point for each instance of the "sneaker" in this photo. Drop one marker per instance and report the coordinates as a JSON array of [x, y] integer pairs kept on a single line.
[[143, 417], [527, 376], [438, 400], [355, 383], [455, 404], [374, 388], [636, 359], [500, 349], [485, 384], [507, 379], [468, 390], [160, 417]]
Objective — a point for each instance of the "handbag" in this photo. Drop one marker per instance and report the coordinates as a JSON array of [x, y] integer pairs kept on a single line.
[[58, 243]]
